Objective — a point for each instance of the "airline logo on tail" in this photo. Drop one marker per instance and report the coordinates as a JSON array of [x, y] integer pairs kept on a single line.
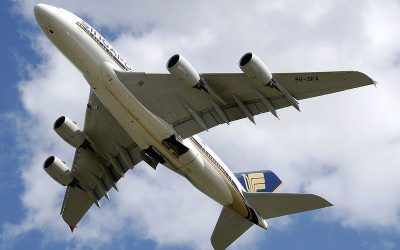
[[259, 181], [254, 181]]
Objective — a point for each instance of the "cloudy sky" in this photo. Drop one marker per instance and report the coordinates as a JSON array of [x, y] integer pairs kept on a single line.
[[344, 147]]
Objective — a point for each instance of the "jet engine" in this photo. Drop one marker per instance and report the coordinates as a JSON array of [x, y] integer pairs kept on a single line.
[[255, 69], [58, 170], [69, 132], [182, 70]]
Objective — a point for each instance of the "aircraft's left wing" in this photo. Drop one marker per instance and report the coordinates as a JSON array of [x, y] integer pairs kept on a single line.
[[98, 165], [231, 96]]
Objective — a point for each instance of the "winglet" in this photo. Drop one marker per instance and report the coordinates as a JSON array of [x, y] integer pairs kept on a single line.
[[374, 82]]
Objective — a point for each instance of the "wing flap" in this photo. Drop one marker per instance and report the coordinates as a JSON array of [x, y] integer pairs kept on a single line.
[[271, 205]]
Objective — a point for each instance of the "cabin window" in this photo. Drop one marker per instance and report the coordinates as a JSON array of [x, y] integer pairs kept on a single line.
[[50, 29]]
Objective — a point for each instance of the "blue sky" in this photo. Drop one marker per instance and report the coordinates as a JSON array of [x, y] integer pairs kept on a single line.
[[13, 46], [354, 134]]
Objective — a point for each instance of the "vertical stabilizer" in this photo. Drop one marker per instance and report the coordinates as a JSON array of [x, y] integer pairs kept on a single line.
[[259, 181]]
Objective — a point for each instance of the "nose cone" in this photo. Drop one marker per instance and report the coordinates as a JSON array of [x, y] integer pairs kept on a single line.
[[44, 13]]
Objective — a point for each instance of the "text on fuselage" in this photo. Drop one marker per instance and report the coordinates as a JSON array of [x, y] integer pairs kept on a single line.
[[104, 44]]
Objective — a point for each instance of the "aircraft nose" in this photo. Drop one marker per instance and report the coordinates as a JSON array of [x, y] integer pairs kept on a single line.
[[44, 13]]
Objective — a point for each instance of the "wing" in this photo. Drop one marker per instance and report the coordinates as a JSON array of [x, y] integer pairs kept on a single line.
[[99, 164], [233, 95], [271, 205], [229, 227]]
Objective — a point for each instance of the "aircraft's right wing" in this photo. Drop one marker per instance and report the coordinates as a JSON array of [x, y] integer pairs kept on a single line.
[[192, 111], [98, 166]]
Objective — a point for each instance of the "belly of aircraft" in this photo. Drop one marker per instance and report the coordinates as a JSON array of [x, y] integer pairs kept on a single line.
[[235, 200]]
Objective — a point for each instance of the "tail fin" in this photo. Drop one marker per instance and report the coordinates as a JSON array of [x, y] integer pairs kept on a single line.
[[270, 205], [259, 181], [230, 226]]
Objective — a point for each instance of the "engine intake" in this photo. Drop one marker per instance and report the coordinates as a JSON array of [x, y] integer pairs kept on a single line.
[[182, 70], [69, 132], [255, 69], [57, 170]]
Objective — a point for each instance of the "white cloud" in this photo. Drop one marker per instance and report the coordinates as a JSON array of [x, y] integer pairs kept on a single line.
[[344, 147]]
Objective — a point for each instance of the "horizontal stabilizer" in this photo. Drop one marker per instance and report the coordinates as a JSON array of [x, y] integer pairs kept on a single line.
[[271, 205], [229, 227]]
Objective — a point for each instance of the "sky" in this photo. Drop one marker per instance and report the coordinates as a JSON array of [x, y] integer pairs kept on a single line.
[[344, 147]]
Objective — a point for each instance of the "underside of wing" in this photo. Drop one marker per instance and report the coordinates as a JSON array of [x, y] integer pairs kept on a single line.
[[76, 203], [99, 163], [311, 84], [271, 205], [229, 227], [231, 96]]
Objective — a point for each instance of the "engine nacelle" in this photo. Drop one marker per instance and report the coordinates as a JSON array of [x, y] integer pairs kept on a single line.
[[69, 132], [255, 69], [58, 170], [182, 70]]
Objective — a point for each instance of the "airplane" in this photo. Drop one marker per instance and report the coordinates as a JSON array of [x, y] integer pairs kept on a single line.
[[136, 116]]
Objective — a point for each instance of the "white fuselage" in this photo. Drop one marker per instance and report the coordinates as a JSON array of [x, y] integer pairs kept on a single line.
[[96, 60]]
